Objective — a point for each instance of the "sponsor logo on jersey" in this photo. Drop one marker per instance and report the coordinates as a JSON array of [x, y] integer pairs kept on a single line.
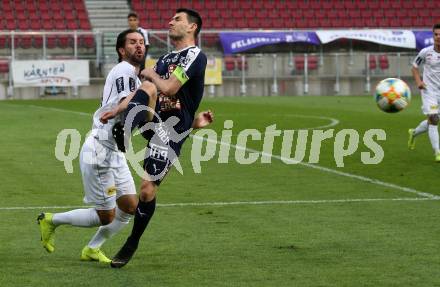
[[120, 84], [132, 84], [158, 152]]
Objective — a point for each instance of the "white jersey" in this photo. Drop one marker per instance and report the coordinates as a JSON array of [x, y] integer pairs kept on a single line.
[[145, 34], [120, 82], [431, 67]]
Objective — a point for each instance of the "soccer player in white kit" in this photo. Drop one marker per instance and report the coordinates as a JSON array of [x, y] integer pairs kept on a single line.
[[108, 183], [430, 89]]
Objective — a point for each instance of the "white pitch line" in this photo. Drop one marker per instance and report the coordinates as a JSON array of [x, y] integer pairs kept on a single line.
[[329, 170], [314, 166], [234, 203]]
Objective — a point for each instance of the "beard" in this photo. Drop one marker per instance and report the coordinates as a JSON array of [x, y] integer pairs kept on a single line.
[[135, 58]]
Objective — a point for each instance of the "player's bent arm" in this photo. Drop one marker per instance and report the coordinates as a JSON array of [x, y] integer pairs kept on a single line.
[[122, 106], [416, 74], [170, 86]]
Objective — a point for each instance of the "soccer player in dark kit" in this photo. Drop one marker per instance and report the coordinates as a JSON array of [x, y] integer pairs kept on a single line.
[[179, 78]]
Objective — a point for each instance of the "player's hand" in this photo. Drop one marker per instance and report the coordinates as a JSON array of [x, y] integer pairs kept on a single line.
[[203, 119], [421, 86], [147, 73], [107, 116]]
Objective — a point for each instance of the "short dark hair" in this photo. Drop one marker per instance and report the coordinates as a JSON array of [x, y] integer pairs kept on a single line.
[[193, 17], [120, 41], [132, 14], [436, 26]]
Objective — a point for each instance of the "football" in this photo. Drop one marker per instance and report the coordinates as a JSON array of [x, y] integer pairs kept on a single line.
[[392, 95]]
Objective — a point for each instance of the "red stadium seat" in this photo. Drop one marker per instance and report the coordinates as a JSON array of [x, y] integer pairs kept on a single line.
[[312, 62], [24, 41], [72, 25], [5, 42], [84, 24], [47, 25], [87, 41], [240, 64], [51, 41], [23, 25], [245, 5], [65, 41], [372, 63], [10, 25], [38, 42], [383, 62], [299, 63], [229, 63], [4, 67]]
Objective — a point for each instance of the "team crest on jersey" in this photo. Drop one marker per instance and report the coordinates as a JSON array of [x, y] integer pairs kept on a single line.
[[171, 68], [132, 84], [120, 84]]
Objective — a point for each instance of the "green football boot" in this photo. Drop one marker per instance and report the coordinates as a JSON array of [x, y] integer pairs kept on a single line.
[[47, 230], [94, 254]]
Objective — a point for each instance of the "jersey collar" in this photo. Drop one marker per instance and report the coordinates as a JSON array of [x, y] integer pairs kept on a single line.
[[183, 49]]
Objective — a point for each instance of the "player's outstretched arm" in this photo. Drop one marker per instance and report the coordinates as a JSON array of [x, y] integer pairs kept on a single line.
[[203, 119], [122, 106], [419, 82]]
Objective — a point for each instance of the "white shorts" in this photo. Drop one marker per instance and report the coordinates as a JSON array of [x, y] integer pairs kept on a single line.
[[430, 101], [105, 175]]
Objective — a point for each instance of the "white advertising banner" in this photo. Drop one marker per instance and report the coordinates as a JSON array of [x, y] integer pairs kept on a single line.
[[42, 73], [395, 38]]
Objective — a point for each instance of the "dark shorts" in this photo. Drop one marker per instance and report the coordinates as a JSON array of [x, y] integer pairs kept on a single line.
[[160, 156]]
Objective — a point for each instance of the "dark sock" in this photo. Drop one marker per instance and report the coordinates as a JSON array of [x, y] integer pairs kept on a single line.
[[144, 212], [139, 98]]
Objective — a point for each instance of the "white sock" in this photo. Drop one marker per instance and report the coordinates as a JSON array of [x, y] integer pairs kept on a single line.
[[421, 128], [433, 137], [77, 217], [107, 231]]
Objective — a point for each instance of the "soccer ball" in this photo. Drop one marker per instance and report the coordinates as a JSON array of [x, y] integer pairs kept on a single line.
[[392, 95]]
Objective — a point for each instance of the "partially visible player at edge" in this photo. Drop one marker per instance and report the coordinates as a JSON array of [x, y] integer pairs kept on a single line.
[[179, 78], [430, 89]]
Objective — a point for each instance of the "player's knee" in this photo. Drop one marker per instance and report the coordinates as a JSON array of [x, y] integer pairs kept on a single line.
[[106, 216], [128, 203], [149, 88], [433, 119], [148, 191]]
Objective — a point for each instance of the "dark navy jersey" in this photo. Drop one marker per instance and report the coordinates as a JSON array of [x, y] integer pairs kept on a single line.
[[188, 65]]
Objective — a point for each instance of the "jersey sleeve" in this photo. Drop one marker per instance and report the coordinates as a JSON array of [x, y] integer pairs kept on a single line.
[[125, 80], [420, 59], [194, 65]]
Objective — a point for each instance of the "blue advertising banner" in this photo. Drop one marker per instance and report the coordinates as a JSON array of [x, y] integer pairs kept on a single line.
[[423, 39], [242, 41]]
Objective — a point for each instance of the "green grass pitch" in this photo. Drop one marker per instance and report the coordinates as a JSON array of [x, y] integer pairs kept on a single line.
[[292, 224]]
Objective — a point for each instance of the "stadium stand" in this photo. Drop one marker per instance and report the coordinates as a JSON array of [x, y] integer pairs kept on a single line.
[[248, 14], [53, 15]]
